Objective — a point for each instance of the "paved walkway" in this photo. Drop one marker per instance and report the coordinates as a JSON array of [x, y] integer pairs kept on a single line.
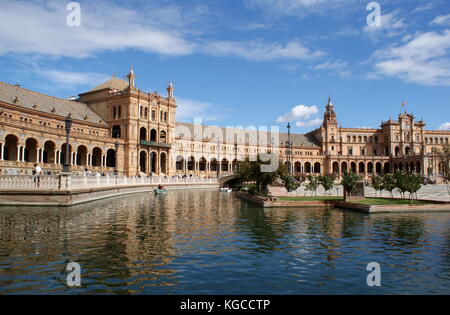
[[435, 192]]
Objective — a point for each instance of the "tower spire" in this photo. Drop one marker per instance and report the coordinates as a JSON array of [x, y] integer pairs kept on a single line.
[[131, 78], [170, 90], [330, 115]]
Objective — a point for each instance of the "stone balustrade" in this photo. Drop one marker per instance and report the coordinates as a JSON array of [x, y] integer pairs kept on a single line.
[[30, 182]]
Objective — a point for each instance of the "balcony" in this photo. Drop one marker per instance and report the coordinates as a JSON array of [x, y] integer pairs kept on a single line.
[[155, 144]]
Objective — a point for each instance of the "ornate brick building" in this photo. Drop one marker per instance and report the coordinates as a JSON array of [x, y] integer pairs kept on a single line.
[[149, 140]]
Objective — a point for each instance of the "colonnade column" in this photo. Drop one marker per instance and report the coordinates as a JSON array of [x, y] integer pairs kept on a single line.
[[2, 149], [23, 153]]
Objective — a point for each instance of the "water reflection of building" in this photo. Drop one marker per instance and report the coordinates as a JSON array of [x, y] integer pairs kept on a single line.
[[152, 141]]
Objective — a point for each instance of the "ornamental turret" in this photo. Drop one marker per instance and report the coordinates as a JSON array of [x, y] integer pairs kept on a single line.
[[131, 78], [330, 115]]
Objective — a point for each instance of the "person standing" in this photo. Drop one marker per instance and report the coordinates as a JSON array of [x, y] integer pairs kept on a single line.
[[37, 175]]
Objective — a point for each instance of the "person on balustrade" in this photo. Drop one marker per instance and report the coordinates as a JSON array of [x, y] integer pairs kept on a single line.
[[37, 175]]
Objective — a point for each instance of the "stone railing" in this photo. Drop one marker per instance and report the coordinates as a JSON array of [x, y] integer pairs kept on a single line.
[[30, 182]]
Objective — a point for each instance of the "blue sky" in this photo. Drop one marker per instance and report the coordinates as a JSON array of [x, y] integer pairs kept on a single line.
[[242, 62]]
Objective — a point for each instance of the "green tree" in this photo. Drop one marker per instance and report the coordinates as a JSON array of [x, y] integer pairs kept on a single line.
[[349, 182], [313, 184], [413, 184], [250, 171], [327, 182], [444, 159], [377, 184], [389, 183], [290, 184], [401, 183]]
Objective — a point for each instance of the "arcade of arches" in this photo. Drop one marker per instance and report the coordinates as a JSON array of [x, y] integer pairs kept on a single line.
[[143, 128]]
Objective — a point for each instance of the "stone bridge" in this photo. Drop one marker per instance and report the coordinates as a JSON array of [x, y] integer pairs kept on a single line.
[[226, 177]]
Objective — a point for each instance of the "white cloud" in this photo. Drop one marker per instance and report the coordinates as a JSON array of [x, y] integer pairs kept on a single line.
[[445, 126], [390, 26], [441, 20], [430, 5], [261, 51], [188, 110], [40, 28], [298, 8], [423, 60], [338, 67], [311, 123], [71, 79], [300, 112]]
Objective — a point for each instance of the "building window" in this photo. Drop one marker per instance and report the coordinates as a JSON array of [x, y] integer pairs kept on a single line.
[[114, 112], [116, 132], [350, 151], [153, 115], [119, 112]]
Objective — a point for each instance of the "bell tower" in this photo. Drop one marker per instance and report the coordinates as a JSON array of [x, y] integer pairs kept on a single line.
[[330, 115], [330, 130]]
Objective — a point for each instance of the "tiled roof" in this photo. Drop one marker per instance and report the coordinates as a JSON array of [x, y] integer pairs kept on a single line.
[[299, 140], [113, 83], [18, 96]]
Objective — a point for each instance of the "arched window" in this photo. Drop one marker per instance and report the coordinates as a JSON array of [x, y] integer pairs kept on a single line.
[[153, 136], [162, 137], [143, 134], [116, 132]]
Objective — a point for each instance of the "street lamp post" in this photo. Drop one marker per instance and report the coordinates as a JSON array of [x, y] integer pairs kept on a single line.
[[218, 159], [235, 156], [116, 146], [68, 121], [288, 146]]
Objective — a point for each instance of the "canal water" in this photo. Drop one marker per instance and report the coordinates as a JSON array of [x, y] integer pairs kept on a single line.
[[206, 242]]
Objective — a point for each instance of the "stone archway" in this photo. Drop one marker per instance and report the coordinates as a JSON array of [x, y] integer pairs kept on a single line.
[[82, 155], [31, 154], [11, 151], [153, 162], [111, 158], [163, 163], [49, 152], [97, 157], [179, 164], [143, 162]]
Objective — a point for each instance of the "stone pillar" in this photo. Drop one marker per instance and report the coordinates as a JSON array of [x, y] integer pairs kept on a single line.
[[38, 155], [42, 155], [2, 149], [22, 149]]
